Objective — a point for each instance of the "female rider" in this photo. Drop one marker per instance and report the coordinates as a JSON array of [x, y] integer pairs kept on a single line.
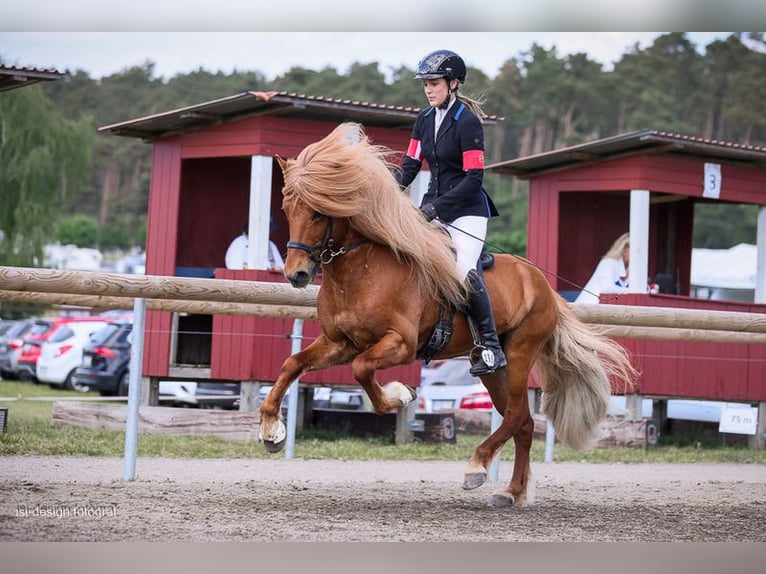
[[449, 135]]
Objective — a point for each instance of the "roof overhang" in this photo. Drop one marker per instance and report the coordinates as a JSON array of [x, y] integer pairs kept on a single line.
[[12, 77], [254, 103], [633, 143]]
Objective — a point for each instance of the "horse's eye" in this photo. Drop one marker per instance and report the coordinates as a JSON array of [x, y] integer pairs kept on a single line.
[[316, 216]]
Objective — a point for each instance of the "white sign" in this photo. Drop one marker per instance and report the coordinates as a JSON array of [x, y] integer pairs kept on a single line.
[[739, 420], [711, 186]]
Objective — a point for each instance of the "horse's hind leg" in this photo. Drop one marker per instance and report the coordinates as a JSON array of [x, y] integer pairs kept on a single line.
[[517, 423], [520, 491]]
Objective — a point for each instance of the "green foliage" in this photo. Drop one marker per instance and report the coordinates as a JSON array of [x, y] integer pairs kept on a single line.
[[124, 231], [44, 157], [724, 225], [80, 230]]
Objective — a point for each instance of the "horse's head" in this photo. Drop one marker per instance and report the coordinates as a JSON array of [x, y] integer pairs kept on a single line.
[[310, 233]]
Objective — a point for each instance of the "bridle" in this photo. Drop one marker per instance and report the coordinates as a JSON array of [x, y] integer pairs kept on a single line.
[[323, 253]]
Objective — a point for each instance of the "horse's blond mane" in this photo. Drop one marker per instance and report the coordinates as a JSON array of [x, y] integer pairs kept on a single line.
[[345, 176]]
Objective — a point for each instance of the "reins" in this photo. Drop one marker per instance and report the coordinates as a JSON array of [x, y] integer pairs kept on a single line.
[[501, 250]]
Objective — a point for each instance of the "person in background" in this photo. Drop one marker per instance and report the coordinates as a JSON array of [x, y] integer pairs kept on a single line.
[[449, 135], [276, 263], [611, 274], [236, 254]]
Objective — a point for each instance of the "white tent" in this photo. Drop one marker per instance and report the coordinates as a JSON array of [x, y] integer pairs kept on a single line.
[[726, 274]]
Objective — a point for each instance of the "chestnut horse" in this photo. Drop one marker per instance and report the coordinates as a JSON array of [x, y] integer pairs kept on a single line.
[[385, 274]]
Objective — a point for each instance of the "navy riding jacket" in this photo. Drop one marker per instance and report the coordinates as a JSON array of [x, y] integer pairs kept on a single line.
[[456, 160]]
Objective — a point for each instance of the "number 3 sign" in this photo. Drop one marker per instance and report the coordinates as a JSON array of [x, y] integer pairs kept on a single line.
[[712, 184]]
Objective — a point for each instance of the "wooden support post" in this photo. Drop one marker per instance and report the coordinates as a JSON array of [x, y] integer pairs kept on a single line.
[[759, 440], [150, 391], [305, 407], [633, 404], [248, 396], [403, 433], [660, 414]]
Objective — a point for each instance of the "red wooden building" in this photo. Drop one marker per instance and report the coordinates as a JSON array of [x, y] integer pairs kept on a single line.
[[214, 171], [582, 198]]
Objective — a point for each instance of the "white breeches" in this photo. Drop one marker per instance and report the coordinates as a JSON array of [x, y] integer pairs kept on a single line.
[[470, 243]]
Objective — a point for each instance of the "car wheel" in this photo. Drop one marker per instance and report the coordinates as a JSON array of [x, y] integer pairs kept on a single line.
[[122, 387], [71, 384]]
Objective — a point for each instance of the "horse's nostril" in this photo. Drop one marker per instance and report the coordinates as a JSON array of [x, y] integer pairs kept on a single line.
[[301, 278]]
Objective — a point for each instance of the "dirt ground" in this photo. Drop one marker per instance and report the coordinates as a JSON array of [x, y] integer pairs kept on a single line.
[[85, 499]]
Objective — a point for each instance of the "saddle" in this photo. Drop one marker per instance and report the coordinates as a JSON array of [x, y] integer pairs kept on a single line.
[[442, 331]]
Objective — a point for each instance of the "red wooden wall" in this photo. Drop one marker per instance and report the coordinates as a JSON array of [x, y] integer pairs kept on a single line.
[[716, 371]]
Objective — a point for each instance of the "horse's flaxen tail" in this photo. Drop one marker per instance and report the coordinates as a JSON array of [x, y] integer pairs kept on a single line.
[[574, 371]]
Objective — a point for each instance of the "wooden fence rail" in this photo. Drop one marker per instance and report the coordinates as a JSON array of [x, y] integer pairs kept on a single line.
[[265, 299]]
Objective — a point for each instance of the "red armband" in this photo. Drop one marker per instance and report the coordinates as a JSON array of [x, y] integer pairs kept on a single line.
[[414, 150], [473, 159]]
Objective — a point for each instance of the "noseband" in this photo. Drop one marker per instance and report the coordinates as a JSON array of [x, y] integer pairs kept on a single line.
[[323, 253]]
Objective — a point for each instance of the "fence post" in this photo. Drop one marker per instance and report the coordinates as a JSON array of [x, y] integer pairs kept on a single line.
[[292, 393], [134, 389]]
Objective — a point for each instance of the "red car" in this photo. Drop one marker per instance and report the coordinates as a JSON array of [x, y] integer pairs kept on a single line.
[[43, 330]]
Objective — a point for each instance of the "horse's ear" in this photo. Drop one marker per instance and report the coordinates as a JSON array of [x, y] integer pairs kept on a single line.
[[282, 162]]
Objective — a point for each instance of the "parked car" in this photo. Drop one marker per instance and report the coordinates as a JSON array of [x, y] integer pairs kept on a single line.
[[448, 384], [105, 367], [178, 393], [5, 324], [221, 395], [10, 347], [62, 353], [105, 360], [42, 331]]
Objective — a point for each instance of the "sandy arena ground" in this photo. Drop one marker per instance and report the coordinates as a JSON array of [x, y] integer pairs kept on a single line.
[[85, 499]]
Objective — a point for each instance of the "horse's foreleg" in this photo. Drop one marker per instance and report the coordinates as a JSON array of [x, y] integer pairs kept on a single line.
[[391, 350], [322, 353]]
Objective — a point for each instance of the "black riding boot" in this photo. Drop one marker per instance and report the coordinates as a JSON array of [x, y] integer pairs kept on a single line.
[[487, 356]]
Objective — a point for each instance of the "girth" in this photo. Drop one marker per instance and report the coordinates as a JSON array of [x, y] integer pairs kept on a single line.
[[440, 335]]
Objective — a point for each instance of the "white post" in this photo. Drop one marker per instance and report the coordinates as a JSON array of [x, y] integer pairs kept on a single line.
[[760, 266], [638, 271], [494, 467], [259, 218], [292, 393], [134, 389], [550, 440]]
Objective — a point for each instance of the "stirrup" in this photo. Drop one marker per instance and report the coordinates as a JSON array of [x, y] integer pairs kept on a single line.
[[484, 361]]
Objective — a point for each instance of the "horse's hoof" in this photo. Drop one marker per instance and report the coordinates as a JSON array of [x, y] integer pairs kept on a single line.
[[501, 500], [276, 441], [474, 480], [272, 446]]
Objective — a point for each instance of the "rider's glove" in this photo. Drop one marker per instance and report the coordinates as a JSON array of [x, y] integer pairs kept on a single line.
[[429, 211]]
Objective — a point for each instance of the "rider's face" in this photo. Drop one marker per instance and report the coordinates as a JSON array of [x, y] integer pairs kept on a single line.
[[436, 90]]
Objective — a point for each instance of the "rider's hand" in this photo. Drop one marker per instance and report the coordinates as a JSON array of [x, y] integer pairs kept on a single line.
[[429, 211]]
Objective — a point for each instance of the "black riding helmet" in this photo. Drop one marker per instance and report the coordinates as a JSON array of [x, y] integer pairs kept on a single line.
[[441, 64]]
